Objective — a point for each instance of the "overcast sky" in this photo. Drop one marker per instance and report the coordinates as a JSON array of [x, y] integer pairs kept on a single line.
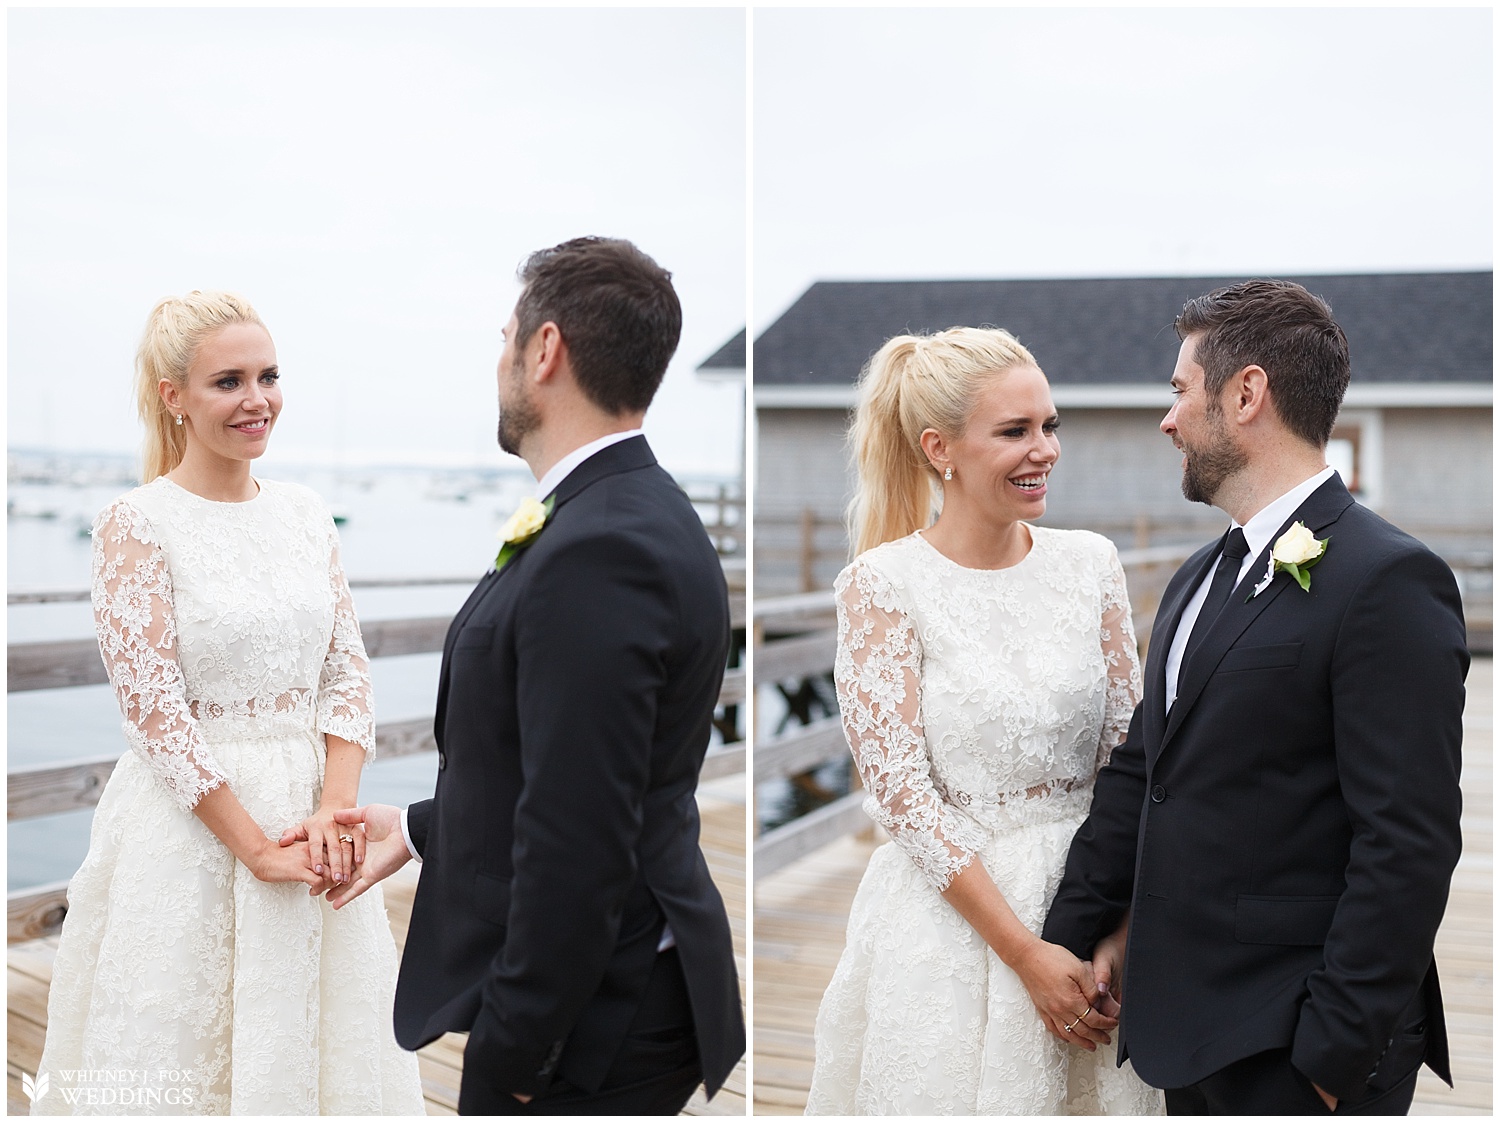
[[370, 179], [994, 143]]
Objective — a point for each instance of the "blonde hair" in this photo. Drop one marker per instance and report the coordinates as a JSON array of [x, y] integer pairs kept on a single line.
[[913, 383], [175, 329]]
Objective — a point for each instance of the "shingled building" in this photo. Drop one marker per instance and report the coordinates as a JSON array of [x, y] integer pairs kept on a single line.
[[1413, 440]]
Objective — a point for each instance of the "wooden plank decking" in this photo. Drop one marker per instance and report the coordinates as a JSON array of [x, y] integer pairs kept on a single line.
[[29, 973], [801, 911]]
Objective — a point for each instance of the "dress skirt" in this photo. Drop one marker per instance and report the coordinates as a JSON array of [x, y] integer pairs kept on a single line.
[[182, 985], [922, 1017]]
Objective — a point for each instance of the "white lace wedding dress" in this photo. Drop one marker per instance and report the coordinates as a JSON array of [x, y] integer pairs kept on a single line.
[[979, 705], [182, 985]]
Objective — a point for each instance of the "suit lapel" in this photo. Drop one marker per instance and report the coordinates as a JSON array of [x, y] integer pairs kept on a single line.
[[1163, 630], [1321, 509], [623, 456], [620, 457], [486, 583]]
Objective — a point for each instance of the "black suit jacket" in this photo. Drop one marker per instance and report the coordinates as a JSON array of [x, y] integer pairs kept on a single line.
[[574, 706], [1285, 836]]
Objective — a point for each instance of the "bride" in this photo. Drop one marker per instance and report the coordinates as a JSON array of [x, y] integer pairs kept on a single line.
[[196, 953], [985, 669]]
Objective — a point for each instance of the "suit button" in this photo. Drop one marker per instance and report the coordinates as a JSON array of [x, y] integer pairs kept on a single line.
[[442, 760], [1158, 794]]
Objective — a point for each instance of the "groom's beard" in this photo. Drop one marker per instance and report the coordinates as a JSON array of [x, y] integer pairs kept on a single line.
[[1205, 469], [519, 419]]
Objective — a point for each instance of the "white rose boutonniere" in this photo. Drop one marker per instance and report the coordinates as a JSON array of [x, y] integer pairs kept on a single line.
[[522, 526], [1295, 552]]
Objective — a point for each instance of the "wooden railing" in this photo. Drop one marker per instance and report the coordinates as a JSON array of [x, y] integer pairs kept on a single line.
[[53, 788], [725, 522]]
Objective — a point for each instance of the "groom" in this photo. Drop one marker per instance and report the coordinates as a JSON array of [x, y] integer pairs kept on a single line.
[[565, 917], [1282, 820]]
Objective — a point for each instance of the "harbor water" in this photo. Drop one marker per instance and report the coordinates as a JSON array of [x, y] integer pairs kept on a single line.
[[395, 523]]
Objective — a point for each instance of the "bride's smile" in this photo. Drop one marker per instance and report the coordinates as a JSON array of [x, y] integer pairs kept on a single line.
[[232, 395]]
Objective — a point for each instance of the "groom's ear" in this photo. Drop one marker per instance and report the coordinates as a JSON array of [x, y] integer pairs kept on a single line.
[[550, 351], [1247, 395]]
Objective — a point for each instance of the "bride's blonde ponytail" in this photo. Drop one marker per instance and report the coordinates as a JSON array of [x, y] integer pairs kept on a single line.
[[914, 383]]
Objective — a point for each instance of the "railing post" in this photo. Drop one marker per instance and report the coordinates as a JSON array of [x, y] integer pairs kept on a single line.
[[809, 530]]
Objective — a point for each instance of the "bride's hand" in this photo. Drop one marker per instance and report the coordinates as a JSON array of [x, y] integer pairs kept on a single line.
[[332, 857], [1062, 988], [287, 861], [299, 834]]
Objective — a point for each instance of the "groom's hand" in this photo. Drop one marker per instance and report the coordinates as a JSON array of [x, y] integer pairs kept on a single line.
[[1109, 970], [1106, 1003], [385, 849]]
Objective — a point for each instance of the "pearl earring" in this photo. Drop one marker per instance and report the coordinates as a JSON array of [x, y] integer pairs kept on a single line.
[[179, 419], [948, 475]]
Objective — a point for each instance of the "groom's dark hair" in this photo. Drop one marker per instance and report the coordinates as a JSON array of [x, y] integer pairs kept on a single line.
[[616, 310], [1286, 331]]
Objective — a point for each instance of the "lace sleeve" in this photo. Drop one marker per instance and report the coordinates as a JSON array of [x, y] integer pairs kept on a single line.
[[877, 673], [133, 614], [346, 705], [1122, 664]]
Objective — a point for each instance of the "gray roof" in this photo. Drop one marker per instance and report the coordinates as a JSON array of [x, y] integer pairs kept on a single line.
[[731, 356], [1402, 327]]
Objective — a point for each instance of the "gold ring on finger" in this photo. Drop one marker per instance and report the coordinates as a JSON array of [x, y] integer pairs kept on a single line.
[[349, 838]]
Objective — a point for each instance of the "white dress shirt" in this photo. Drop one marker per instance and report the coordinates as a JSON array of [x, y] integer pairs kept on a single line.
[[1258, 531], [550, 481], [564, 467]]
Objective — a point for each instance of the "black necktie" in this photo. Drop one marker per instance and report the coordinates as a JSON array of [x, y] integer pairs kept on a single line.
[[1226, 576]]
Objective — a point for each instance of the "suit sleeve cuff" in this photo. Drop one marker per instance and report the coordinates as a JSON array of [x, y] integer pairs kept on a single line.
[[406, 835], [1324, 1069]]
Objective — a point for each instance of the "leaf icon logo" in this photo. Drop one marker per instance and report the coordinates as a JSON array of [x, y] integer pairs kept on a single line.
[[34, 1089]]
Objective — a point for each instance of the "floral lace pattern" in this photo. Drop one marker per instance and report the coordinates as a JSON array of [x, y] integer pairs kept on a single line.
[[258, 651], [230, 638], [979, 705], [964, 691]]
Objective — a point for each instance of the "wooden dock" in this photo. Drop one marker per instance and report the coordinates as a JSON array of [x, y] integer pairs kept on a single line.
[[29, 974], [801, 911]]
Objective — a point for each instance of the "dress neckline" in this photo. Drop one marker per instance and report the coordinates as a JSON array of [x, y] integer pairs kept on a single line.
[[260, 491], [961, 568]]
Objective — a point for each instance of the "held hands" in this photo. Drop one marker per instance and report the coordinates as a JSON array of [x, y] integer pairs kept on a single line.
[[1064, 991], [386, 852], [331, 861], [381, 848], [325, 839], [290, 861]]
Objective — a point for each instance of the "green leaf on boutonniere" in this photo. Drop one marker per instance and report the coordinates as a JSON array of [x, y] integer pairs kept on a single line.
[[1300, 575], [1294, 553], [522, 527]]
